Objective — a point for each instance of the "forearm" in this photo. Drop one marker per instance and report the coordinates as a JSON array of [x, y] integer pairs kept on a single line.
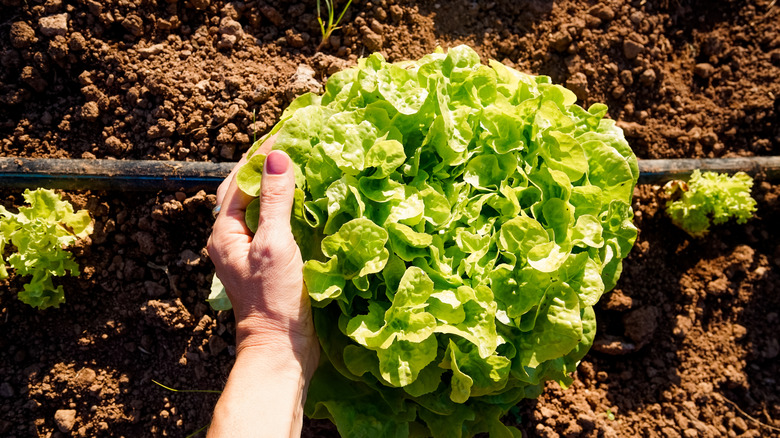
[[263, 397]]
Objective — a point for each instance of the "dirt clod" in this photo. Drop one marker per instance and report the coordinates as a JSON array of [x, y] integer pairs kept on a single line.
[[65, 419], [704, 70], [54, 24], [22, 35], [632, 49]]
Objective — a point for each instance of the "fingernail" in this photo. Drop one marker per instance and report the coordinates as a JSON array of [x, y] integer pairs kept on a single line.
[[276, 163]]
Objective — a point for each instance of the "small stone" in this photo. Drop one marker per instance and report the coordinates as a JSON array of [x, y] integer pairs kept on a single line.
[[602, 12], [647, 77], [114, 145], [377, 27], [226, 41], [560, 40], [396, 13], [372, 40], [704, 70], [740, 425], [230, 32], [22, 35], [230, 26], [85, 377], [54, 24], [616, 301], [77, 42], [134, 24], [632, 49], [592, 22], [146, 52], [90, 111], [294, 39], [65, 419]]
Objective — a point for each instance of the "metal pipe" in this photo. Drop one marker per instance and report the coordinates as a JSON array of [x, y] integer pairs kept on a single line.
[[188, 176]]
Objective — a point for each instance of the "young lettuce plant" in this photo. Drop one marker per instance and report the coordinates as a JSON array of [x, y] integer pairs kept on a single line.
[[710, 198], [458, 221], [40, 233]]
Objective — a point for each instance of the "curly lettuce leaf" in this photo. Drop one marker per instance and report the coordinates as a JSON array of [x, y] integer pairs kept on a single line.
[[710, 198], [40, 234]]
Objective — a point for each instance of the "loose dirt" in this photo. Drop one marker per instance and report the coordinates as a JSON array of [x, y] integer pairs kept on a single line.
[[687, 343]]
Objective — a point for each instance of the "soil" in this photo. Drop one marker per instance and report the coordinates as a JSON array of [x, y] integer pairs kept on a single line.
[[687, 343]]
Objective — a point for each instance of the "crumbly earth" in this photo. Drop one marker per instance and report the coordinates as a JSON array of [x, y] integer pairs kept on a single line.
[[687, 343]]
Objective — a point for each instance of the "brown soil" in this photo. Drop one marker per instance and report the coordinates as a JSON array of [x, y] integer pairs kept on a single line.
[[687, 342]]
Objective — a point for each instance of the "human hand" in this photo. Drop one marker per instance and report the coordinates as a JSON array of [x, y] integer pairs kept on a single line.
[[262, 273]]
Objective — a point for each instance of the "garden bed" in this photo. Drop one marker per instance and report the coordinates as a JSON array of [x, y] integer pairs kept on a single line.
[[687, 342]]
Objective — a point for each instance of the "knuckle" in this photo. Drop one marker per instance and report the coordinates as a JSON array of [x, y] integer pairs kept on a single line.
[[272, 247], [275, 193]]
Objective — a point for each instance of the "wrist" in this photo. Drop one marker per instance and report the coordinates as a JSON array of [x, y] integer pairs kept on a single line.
[[285, 352]]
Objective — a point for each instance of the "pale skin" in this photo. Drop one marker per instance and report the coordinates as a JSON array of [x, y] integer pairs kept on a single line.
[[276, 347]]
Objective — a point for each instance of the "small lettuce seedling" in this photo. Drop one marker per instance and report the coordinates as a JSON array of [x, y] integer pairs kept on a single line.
[[40, 233], [710, 198]]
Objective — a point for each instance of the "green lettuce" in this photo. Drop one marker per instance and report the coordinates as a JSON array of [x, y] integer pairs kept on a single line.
[[40, 234], [710, 198], [458, 222]]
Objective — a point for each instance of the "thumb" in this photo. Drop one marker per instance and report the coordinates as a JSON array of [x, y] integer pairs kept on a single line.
[[277, 190]]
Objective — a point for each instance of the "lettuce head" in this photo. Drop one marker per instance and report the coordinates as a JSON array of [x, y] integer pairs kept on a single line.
[[458, 222]]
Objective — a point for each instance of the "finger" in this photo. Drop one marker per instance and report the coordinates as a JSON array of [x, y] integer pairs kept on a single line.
[[264, 149], [277, 191], [230, 233], [223, 187]]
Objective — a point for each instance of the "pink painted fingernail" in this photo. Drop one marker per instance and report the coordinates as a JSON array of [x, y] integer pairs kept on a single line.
[[276, 163]]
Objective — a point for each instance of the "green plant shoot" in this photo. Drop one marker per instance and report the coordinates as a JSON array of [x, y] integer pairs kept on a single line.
[[331, 25], [40, 233]]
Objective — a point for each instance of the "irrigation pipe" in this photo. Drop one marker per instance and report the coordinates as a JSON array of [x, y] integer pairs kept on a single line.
[[137, 175]]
